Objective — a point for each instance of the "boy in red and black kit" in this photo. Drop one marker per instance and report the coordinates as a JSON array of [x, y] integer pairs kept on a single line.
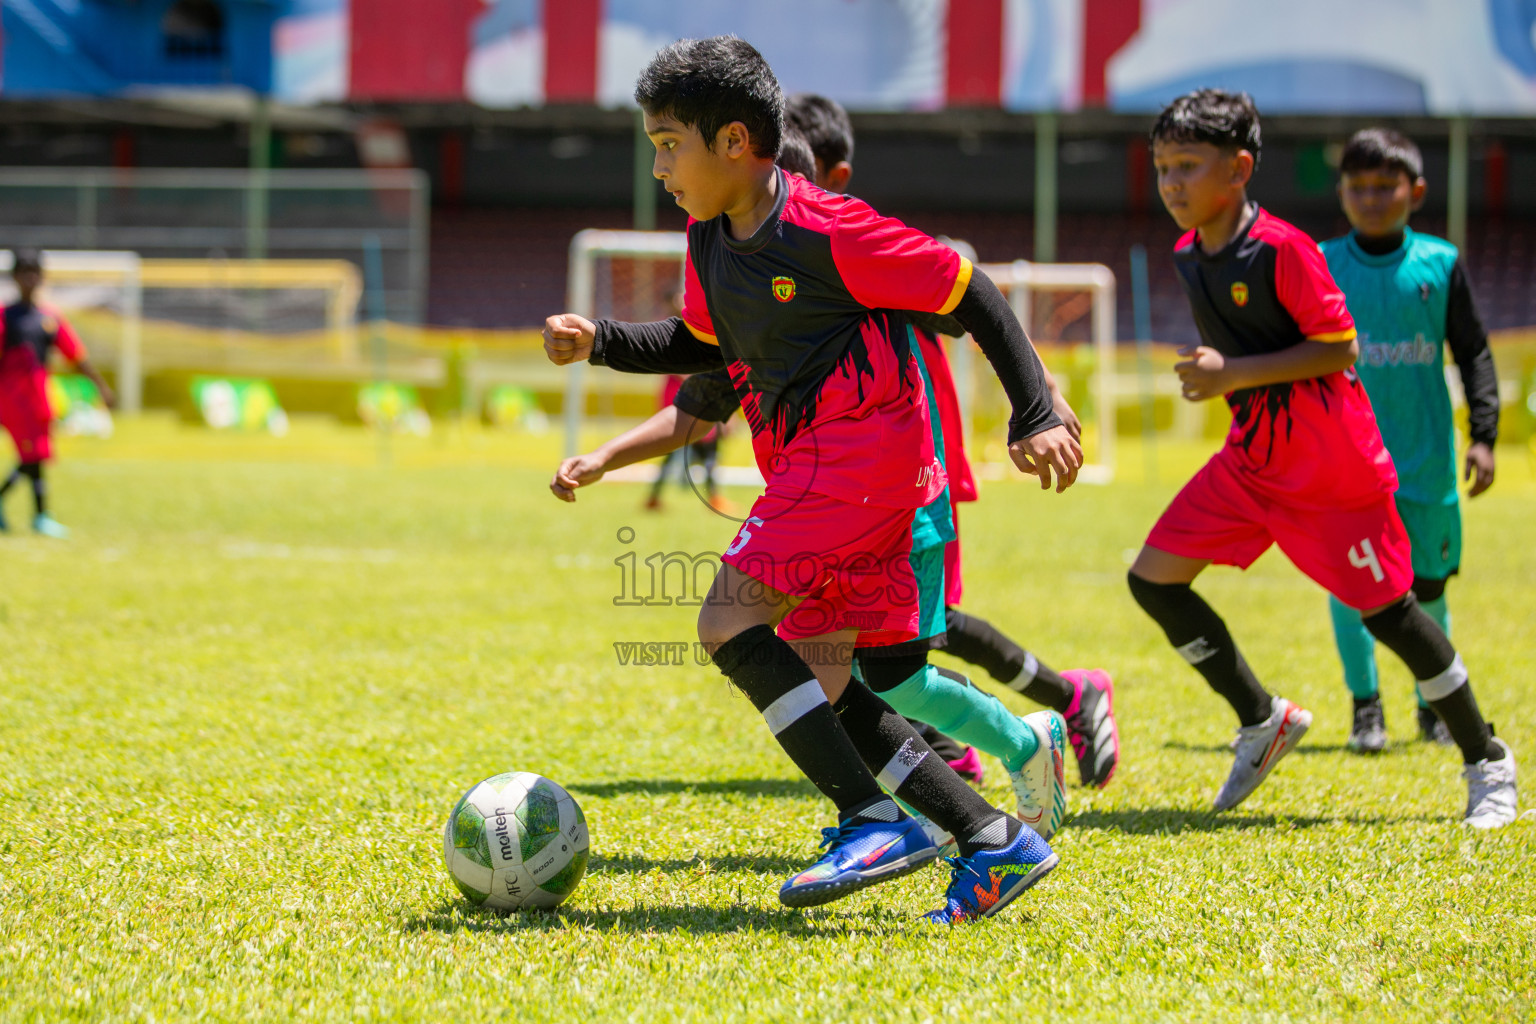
[[1303, 466], [30, 333], [791, 289]]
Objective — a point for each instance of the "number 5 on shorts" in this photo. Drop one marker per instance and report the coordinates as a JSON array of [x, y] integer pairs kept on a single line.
[[745, 535], [1363, 556]]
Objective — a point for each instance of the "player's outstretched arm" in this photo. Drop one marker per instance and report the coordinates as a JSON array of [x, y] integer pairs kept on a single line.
[[1206, 373], [664, 432], [84, 367], [667, 346], [1039, 441]]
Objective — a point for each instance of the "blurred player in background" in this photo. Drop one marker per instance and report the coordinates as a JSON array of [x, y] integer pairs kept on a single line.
[[1409, 296], [1303, 465], [705, 451], [30, 333]]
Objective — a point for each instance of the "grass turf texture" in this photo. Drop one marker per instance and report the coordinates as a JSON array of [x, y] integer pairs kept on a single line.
[[238, 706]]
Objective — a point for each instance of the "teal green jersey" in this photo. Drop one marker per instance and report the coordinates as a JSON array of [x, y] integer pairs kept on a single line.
[[934, 523], [1399, 303]]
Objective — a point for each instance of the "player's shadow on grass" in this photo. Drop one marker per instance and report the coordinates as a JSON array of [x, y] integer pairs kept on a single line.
[[453, 916], [1175, 820], [1306, 748], [764, 864], [782, 788]]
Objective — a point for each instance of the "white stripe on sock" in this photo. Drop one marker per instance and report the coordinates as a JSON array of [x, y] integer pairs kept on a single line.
[[994, 834], [794, 705], [1027, 673], [1197, 650], [900, 766], [1446, 683]]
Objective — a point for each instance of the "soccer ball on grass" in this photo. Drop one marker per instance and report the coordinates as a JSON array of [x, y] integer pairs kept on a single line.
[[516, 840]]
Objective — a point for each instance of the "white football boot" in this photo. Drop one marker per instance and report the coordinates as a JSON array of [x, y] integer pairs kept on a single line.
[[1041, 785], [1491, 791], [1260, 747]]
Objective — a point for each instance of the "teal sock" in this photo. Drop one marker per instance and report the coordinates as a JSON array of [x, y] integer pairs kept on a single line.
[[1441, 613], [1357, 650], [951, 704]]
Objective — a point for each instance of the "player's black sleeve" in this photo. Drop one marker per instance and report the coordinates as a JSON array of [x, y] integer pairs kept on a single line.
[[937, 323], [1469, 347], [985, 315], [710, 396], [666, 346]]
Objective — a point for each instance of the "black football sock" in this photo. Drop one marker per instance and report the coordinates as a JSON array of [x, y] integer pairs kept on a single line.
[[910, 769], [1197, 633], [784, 689], [1407, 631], [34, 472], [947, 747], [982, 644], [10, 481]]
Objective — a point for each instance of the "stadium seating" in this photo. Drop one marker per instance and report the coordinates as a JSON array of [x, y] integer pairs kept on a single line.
[[505, 267]]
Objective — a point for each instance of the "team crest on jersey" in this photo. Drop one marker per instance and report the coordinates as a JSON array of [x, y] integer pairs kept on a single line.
[[783, 288], [1240, 293]]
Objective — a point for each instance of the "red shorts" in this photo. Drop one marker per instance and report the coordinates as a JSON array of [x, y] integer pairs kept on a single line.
[[27, 417], [1361, 555], [851, 563]]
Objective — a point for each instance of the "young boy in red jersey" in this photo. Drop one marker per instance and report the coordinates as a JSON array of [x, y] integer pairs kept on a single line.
[[818, 145], [789, 288], [30, 332], [1303, 466]]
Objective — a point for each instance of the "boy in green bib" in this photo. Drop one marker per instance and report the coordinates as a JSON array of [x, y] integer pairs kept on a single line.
[[1409, 296]]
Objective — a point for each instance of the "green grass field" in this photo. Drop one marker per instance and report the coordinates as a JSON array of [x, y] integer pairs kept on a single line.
[[237, 707]]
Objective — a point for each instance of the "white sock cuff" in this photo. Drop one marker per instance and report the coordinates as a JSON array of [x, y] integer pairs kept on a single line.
[[1446, 683], [900, 766], [793, 706]]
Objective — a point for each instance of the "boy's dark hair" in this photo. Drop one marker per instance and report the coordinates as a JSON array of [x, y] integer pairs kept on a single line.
[[708, 83], [825, 125], [1225, 119], [26, 259], [795, 154], [1382, 149]]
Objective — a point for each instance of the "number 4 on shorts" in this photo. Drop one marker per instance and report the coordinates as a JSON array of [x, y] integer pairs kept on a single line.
[[1363, 556]]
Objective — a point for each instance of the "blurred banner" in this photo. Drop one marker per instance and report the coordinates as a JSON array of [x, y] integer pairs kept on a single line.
[[1301, 56]]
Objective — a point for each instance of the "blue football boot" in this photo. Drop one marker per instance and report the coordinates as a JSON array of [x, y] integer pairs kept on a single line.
[[985, 882], [858, 856]]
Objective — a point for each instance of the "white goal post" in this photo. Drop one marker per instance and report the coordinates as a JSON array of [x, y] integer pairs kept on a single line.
[[653, 259], [83, 278]]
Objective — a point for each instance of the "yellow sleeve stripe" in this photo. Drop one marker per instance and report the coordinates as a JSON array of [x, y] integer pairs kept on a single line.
[[962, 282], [1348, 335], [708, 339]]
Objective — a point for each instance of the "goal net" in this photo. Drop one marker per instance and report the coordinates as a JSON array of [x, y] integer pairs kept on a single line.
[[618, 275], [1068, 308]]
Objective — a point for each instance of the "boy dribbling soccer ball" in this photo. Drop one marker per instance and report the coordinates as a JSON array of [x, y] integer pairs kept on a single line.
[[791, 289]]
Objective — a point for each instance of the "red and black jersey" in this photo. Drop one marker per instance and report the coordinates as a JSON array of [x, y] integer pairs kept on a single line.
[[1312, 441], [30, 333], [803, 314]]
